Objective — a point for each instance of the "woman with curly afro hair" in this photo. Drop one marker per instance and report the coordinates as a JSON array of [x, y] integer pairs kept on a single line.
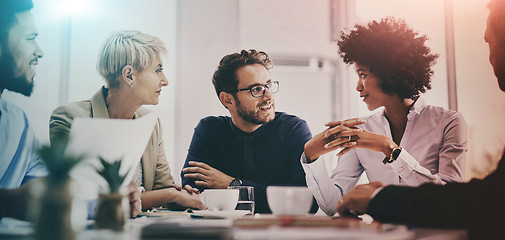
[[405, 143]]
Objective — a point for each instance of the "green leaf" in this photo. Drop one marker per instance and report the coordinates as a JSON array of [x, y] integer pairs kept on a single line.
[[58, 164], [110, 172]]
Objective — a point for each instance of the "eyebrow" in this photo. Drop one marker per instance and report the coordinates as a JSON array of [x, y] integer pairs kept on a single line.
[[259, 84]]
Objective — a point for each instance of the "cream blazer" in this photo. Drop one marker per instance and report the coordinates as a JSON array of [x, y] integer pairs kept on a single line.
[[156, 171]]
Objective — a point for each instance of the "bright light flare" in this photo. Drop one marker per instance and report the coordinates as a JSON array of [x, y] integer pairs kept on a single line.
[[73, 7]]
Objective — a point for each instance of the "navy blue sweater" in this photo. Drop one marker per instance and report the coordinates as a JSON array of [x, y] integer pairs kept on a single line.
[[278, 146]]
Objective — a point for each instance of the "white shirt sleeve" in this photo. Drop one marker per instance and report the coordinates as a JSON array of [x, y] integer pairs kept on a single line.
[[451, 158], [328, 191], [319, 183], [411, 172]]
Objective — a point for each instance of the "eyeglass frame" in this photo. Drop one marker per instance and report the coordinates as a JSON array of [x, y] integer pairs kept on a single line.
[[265, 87]]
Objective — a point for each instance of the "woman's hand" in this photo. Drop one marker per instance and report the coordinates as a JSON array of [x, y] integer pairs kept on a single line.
[[369, 141], [335, 136], [187, 199]]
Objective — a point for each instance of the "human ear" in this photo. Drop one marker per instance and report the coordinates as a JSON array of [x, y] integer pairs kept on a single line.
[[127, 75], [226, 99]]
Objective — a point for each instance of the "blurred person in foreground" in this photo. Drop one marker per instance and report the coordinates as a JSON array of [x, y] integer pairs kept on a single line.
[[478, 206], [130, 62]]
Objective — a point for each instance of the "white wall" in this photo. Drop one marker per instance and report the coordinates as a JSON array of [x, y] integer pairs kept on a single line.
[[207, 30]]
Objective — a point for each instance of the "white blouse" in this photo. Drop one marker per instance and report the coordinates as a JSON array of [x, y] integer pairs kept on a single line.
[[434, 149]]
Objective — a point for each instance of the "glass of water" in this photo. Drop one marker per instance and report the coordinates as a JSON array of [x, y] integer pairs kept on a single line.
[[245, 199]]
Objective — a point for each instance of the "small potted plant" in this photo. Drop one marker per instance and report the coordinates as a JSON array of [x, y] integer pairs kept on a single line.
[[112, 209], [56, 199]]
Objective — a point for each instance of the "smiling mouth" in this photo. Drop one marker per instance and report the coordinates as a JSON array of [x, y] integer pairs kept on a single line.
[[266, 107], [364, 97], [33, 63]]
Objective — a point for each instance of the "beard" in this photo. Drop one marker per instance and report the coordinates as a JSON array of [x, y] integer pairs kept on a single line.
[[251, 115], [8, 78]]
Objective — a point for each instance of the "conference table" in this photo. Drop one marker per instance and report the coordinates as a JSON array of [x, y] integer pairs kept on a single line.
[[184, 225]]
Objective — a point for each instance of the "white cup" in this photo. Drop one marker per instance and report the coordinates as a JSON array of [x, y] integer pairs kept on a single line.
[[220, 199], [289, 200]]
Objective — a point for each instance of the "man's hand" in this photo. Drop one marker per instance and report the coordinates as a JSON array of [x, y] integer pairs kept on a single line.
[[206, 176], [357, 200], [337, 135], [134, 199]]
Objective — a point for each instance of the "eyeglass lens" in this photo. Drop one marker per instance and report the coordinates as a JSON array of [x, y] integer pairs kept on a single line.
[[259, 91]]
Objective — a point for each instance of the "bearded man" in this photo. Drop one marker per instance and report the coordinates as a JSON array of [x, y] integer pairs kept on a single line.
[[255, 146]]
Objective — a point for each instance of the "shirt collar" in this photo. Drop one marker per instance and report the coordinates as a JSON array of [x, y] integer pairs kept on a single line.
[[415, 110], [418, 106]]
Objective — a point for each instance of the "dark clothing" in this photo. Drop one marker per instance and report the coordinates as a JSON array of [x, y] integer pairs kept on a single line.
[[275, 149], [478, 206]]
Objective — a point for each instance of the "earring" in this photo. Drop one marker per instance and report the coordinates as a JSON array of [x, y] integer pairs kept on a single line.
[[131, 85]]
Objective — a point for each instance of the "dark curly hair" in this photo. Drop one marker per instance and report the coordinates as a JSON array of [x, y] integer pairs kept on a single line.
[[225, 78], [394, 53]]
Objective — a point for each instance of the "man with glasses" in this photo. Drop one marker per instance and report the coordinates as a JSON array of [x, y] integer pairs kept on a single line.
[[256, 146]]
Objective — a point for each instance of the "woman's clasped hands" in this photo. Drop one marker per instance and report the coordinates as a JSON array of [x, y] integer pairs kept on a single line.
[[339, 134]]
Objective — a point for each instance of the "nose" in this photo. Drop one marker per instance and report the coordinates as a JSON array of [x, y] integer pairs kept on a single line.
[[164, 81], [268, 94], [359, 85], [38, 51]]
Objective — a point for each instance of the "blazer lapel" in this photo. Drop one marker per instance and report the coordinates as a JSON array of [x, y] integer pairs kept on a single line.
[[98, 106], [148, 162]]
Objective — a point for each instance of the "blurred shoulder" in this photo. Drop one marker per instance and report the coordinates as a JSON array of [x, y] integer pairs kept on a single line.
[[74, 109]]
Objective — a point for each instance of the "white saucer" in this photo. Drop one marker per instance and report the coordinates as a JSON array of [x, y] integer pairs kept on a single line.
[[220, 214]]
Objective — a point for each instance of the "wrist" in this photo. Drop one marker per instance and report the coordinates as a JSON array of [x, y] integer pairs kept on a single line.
[[311, 157], [235, 182], [376, 192], [388, 148]]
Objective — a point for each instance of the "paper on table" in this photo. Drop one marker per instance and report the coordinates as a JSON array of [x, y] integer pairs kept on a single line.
[[111, 139]]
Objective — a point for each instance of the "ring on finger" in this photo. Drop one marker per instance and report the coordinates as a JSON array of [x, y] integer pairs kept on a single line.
[[350, 138]]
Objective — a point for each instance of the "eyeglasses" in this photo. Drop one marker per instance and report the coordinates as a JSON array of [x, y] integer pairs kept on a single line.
[[259, 90]]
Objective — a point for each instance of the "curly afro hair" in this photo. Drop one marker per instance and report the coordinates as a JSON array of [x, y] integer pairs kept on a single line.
[[394, 53]]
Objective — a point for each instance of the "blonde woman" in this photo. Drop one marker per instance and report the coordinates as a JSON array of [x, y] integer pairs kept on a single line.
[[130, 62]]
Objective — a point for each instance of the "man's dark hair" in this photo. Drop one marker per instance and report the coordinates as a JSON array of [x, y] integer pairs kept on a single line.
[[8, 9], [394, 53], [225, 78], [497, 19]]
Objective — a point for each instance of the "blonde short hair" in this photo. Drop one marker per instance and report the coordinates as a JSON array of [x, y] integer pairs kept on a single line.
[[127, 48]]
